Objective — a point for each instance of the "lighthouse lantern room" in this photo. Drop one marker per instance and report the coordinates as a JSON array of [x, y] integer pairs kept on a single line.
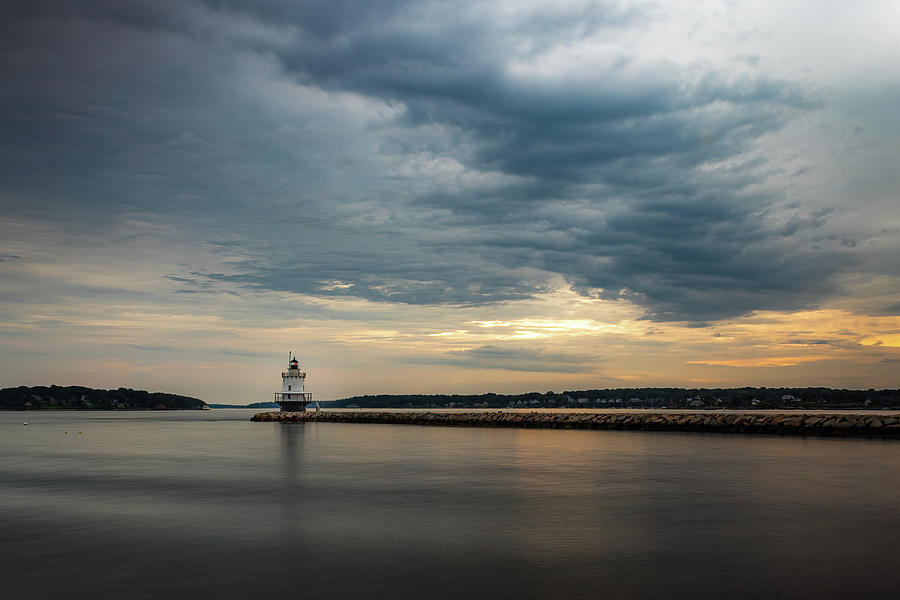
[[293, 397]]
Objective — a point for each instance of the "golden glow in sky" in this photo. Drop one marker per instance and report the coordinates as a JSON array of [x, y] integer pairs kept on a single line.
[[230, 347], [461, 197]]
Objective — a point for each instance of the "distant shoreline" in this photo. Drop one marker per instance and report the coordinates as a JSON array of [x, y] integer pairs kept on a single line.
[[75, 409], [73, 397], [653, 398], [251, 405]]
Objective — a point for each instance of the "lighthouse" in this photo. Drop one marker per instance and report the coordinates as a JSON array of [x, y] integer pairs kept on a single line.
[[293, 397]]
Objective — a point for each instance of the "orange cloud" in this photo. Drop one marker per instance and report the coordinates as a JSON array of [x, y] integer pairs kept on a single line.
[[889, 341], [772, 361]]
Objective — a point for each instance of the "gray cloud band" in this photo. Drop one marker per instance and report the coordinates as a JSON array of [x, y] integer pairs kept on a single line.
[[632, 178]]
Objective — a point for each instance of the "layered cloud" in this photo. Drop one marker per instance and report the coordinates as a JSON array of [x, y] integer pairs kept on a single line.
[[697, 164]]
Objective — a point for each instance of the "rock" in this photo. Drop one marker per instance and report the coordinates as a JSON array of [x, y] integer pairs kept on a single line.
[[788, 423]]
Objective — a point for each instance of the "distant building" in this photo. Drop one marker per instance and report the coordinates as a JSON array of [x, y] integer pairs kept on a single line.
[[293, 396]]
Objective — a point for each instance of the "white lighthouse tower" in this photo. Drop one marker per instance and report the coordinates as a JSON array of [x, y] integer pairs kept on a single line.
[[293, 397]]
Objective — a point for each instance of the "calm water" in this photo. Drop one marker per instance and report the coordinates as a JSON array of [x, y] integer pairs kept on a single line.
[[207, 504]]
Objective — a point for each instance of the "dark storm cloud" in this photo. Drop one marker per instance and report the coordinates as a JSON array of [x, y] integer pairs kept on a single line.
[[629, 177], [383, 271], [150, 348], [891, 309], [691, 246], [511, 358]]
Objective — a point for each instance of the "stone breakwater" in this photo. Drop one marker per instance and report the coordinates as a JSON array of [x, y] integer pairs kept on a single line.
[[869, 425]]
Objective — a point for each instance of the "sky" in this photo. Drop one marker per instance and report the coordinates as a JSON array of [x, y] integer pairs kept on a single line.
[[449, 197]]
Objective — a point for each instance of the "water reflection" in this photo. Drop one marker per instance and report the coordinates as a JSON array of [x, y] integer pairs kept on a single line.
[[144, 507], [291, 438]]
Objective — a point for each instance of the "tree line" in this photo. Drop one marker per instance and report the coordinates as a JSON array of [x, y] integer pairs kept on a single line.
[[83, 398], [746, 397]]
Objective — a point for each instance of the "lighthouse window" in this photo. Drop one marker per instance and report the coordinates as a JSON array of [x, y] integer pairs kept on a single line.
[[289, 388]]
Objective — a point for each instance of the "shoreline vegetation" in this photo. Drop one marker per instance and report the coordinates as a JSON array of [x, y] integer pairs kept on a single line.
[[251, 405], [57, 397], [884, 425], [781, 398]]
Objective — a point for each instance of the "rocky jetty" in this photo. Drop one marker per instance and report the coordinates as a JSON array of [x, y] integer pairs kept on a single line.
[[827, 424]]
